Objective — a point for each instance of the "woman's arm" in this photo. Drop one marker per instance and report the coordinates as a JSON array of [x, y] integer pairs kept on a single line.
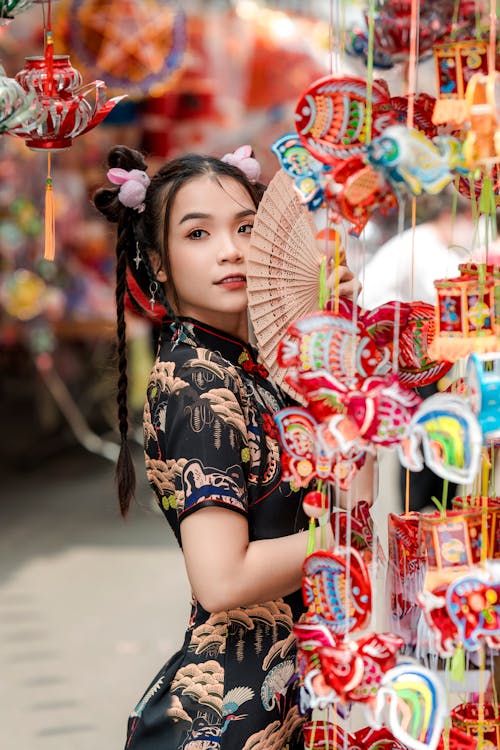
[[227, 571]]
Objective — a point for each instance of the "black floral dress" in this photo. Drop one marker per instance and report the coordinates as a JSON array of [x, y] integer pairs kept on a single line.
[[210, 440]]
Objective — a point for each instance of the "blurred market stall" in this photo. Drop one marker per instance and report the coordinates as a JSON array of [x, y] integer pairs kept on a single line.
[[204, 76]]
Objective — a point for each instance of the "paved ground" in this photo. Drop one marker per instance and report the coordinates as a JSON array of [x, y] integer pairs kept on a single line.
[[90, 605]]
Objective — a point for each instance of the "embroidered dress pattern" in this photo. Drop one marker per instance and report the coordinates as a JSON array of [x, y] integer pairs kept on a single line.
[[209, 441]]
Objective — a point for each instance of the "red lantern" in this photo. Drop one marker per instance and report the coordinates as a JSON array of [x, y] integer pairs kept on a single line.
[[70, 113], [483, 725]]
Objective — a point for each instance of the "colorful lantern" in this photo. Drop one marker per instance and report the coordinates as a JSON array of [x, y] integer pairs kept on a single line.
[[483, 391], [59, 91], [447, 431], [308, 173], [135, 46], [11, 8], [468, 313], [410, 161], [460, 598], [481, 723], [405, 574], [452, 544], [331, 450], [455, 63], [491, 507], [477, 113], [331, 116], [17, 105]]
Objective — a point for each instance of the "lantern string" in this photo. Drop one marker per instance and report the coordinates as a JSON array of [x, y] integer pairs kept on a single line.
[[492, 48], [49, 250]]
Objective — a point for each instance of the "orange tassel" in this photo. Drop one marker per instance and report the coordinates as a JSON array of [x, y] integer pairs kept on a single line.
[[50, 245]]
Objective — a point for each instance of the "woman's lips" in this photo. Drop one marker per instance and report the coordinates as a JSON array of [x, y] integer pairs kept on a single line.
[[232, 282]]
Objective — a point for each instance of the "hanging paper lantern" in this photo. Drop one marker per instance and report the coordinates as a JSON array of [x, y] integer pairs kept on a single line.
[[456, 62], [452, 544], [461, 592], [489, 506], [405, 574], [483, 390], [135, 45], [59, 91], [476, 113], [11, 8], [410, 161], [468, 314], [17, 105], [331, 116], [481, 723]]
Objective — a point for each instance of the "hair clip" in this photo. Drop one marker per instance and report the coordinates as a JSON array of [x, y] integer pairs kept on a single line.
[[243, 159], [133, 186]]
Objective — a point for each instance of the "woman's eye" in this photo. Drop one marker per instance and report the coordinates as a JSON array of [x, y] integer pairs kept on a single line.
[[197, 234], [246, 228]]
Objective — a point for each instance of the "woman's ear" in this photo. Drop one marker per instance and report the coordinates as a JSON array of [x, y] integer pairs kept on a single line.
[[161, 275], [158, 270]]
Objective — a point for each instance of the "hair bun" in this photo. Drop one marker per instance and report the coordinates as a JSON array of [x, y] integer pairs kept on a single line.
[[106, 200]]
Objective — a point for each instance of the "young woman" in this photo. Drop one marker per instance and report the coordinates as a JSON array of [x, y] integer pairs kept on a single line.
[[212, 456]]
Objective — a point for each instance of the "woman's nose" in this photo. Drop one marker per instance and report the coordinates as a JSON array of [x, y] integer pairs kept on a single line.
[[230, 251]]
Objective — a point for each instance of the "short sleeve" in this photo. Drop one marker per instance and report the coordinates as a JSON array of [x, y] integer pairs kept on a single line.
[[196, 436]]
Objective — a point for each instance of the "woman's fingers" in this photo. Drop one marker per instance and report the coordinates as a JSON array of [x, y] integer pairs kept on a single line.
[[343, 282]]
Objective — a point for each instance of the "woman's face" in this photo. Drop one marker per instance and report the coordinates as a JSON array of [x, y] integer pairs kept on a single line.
[[208, 239]]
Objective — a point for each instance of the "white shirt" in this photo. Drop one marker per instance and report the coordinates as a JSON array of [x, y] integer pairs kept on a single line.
[[389, 274]]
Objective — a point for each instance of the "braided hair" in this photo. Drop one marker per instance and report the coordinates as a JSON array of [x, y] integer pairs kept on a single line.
[[142, 244]]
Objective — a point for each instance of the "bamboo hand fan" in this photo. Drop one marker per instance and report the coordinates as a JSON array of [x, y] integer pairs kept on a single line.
[[283, 269]]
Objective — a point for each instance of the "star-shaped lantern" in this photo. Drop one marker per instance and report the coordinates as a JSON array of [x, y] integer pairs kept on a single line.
[[136, 46]]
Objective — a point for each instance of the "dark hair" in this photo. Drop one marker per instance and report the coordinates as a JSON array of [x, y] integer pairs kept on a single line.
[[142, 234]]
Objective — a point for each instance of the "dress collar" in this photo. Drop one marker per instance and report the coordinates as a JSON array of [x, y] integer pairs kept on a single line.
[[235, 350]]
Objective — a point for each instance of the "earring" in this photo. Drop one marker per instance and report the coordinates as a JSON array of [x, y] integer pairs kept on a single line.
[[137, 258], [153, 288]]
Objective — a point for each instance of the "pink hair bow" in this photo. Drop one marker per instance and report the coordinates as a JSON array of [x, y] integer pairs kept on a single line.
[[133, 186], [243, 159]]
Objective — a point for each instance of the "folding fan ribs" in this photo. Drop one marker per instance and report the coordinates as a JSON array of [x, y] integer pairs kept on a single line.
[[283, 268]]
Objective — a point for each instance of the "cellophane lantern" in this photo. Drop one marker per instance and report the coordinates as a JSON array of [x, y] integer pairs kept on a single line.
[[68, 104], [467, 313]]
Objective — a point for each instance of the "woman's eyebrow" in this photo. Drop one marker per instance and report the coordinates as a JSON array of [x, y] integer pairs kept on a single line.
[[195, 215], [198, 215]]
